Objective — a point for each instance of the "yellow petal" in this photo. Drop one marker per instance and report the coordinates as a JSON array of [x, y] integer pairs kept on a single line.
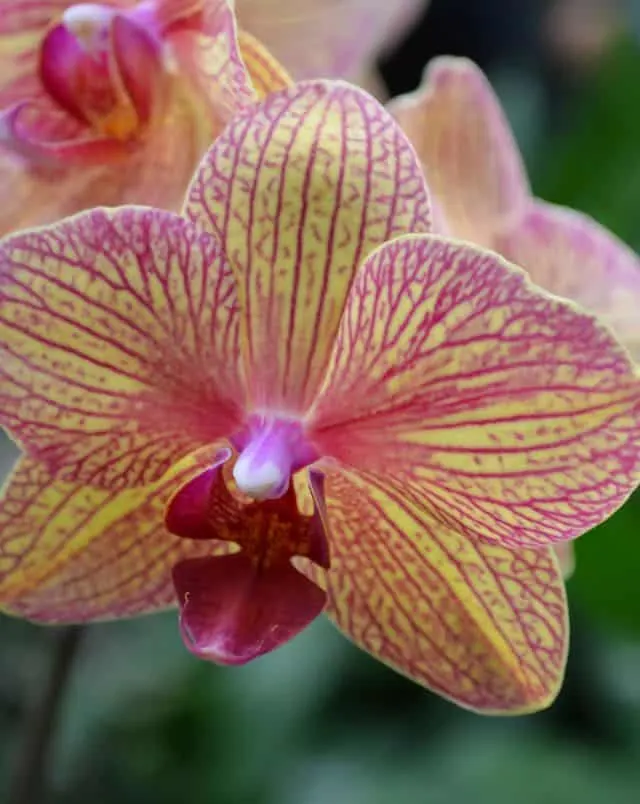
[[119, 344], [300, 189], [69, 553], [267, 74], [516, 414], [479, 624]]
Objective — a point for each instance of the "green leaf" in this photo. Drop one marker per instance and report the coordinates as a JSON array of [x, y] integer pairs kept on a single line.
[[605, 582]]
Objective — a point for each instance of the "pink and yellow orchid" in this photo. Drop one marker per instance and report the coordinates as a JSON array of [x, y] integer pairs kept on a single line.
[[116, 102], [474, 168], [294, 398]]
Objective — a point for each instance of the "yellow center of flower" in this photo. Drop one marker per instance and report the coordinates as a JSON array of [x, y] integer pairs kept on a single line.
[[121, 123]]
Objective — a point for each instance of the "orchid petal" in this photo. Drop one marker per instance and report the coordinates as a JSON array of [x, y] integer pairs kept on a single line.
[[329, 39], [209, 57], [71, 553], [138, 57], [515, 415], [482, 625], [60, 53], [565, 554], [472, 162], [22, 16], [266, 73], [165, 14], [571, 255], [154, 172], [300, 189], [49, 138], [119, 344]]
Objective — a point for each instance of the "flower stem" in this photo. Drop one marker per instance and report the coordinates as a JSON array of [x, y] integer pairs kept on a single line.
[[31, 770]]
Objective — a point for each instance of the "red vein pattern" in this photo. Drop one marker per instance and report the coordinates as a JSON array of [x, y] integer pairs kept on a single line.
[[480, 624], [571, 255], [300, 190], [472, 163], [69, 553], [513, 414], [119, 355]]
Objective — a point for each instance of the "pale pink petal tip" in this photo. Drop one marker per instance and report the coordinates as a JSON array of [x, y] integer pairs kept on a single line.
[[573, 256]]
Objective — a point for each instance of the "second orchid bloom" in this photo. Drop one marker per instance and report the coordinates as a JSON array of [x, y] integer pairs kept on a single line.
[[294, 398], [116, 102]]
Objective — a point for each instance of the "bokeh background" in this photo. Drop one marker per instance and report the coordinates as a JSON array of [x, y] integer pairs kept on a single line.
[[142, 722]]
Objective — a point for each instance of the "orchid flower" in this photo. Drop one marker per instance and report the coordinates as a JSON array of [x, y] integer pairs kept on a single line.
[[327, 38], [293, 398], [115, 102], [476, 173]]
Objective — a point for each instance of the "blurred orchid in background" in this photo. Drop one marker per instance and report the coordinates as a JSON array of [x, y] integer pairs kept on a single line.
[[482, 195], [293, 398], [116, 102], [474, 168], [328, 38]]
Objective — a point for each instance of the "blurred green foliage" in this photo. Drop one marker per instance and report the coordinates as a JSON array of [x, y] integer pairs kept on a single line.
[[594, 163]]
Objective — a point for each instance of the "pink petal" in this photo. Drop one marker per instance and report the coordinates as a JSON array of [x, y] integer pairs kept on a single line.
[[209, 58], [473, 165], [565, 554], [29, 16], [300, 189], [571, 255], [138, 56], [328, 39], [119, 336], [479, 624], [163, 15], [51, 139], [266, 73], [62, 57], [514, 415]]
